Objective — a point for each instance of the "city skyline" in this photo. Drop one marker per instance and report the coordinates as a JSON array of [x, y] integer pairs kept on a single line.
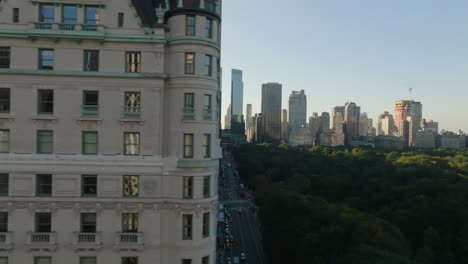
[[380, 62]]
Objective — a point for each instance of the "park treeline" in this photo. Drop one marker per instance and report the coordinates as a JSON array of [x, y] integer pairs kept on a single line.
[[324, 205]]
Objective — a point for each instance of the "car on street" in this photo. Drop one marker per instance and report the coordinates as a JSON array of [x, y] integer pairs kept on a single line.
[[239, 211], [243, 258]]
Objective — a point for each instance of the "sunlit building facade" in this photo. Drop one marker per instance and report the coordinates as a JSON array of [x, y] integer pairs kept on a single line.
[[109, 128]]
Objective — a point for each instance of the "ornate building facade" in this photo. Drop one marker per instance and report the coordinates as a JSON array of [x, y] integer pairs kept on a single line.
[[109, 131]]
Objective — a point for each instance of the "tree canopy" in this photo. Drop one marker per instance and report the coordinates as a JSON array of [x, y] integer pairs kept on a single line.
[[339, 205]]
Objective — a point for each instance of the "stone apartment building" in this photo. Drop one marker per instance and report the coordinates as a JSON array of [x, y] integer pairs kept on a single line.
[[109, 131]]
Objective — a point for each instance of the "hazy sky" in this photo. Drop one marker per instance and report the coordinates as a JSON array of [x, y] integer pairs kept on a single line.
[[366, 51]]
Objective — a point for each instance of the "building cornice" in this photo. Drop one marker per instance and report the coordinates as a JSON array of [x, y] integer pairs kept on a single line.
[[81, 35], [197, 163], [193, 40], [86, 74]]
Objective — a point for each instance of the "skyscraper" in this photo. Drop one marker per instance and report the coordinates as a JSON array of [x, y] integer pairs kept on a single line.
[[320, 128], [297, 109], [405, 108], [337, 136], [227, 118], [271, 112], [237, 117], [364, 124], [248, 123], [284, 126], [115, 157], [237, 96], [386, 125], [351, 119]]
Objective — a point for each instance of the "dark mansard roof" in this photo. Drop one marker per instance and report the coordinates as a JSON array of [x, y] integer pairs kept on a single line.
[[147, 9]]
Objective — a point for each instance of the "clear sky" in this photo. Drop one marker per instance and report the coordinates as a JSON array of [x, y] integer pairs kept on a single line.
[[365, 51]]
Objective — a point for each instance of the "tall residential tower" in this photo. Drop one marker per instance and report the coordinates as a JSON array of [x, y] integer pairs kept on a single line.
[[271, 112]]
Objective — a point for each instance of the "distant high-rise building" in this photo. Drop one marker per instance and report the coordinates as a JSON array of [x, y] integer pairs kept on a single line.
[[351, 119], [431, 126], [237, 96], [406, 108], [319, 125], [414, 127], [227, 118], [364, 125], [271, 112], [337, 119], [404, 131], [248, 123], [386, 125], [237, 118], [297, 109], [337, 136], [284, 126]]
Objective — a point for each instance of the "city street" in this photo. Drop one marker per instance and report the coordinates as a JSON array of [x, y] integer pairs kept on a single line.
[[241, 226]]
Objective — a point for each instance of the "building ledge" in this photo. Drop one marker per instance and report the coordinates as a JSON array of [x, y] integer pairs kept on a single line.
[[101, 36], [197, 163], [193, 40], [85, 74]]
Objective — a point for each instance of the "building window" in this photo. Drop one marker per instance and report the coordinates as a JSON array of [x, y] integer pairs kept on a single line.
[[208, 65], [90, 142], [132, 104], [120, 20], [129, 260], [132, 143], [3, 260], [131, 186], [189, 101], [188, 187], [44, 185], [42, 260], [45, 142], [4, 141], [43, 223], [15, 15], [210, 5], [90, 105], [186, 261], [88, 260], [3, 222], [207, 145], [206, 225], [188, 146], [206, 186], [92, 15], [46, 13], [45, 102], [69, 14], [190, 25], [130, 223], [4, 181], [4, 99], [207, 107], [46, 59], [189, 106], [187, 227], [133, 61], [91, 61], [88, 223], [89, 185], [4, 57], [189, 63], [209, 28], [205, 260]]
